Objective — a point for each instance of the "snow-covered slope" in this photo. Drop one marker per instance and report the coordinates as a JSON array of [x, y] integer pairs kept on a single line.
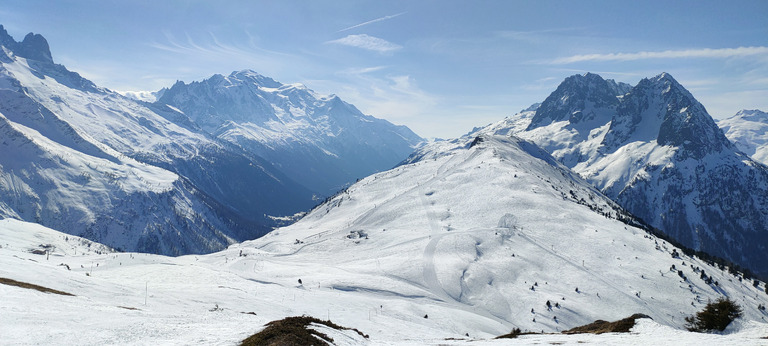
[[321, 141], [748, 130], [88, 161], [466, 241], [656, 151]]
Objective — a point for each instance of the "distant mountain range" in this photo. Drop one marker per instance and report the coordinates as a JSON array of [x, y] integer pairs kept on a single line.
[[656, 151], [320, 141], [146, 177]]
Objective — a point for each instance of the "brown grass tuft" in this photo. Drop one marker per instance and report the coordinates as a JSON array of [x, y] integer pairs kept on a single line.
[[294, 331], [11, 282], [600, 326]]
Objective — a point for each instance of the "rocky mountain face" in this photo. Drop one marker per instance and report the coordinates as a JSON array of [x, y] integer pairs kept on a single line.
[[132, 175], [321, 141], [657, 152], [748, 130]]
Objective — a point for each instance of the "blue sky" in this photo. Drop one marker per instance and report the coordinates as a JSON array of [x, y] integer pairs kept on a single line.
[[439, 67]]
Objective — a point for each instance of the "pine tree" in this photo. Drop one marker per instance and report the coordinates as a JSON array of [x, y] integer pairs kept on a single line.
[[715, 316]]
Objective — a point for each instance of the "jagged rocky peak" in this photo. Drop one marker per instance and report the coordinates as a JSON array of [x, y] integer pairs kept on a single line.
[[661, 109], [619, 88], [33, 47], [5, 39], [578, 98]]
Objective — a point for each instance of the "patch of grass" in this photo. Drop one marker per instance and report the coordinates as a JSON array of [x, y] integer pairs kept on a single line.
[[600, 326], [11, 282], [515, 333], [294, 331]]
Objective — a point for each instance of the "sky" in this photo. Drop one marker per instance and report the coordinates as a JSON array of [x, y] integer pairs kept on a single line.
[[439, 67]]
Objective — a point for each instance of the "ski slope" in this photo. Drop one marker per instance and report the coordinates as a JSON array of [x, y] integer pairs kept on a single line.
[[463, 243]]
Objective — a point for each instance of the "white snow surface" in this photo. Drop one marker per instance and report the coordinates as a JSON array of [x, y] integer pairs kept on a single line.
[[460, 241], [748, 129]]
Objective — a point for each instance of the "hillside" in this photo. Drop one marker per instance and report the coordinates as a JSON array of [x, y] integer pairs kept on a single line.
[[467, 241]]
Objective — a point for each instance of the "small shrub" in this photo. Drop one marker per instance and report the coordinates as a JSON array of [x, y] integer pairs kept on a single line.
[[512, 335], [715, 316]]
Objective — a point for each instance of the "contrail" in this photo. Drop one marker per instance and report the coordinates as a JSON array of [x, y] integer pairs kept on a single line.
[[373, 21]]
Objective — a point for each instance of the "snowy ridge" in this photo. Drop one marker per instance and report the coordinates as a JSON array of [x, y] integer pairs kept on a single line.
[[132, 175], [292, 126], [102, 198], [658, 153], [748, 130], [468, 240]]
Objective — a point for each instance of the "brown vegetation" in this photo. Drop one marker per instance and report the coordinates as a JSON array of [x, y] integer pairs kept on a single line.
[[12, 282], [600, 326], [294, 331]]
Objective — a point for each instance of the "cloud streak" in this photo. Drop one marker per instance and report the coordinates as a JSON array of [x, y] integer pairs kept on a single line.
[[372, 21], [367, 42], [718, 53]]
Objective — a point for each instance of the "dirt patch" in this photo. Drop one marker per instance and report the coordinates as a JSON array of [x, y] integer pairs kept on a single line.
[[600, 326], [11, 282]]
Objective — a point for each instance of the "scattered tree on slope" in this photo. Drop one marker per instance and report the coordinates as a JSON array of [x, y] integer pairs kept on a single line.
[[715, 316]]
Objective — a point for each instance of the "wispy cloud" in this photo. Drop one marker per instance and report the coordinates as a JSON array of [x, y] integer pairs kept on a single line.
[[667, 54], [373, 21], [212, 47], [362, 70], [367, 42], [535, 35]]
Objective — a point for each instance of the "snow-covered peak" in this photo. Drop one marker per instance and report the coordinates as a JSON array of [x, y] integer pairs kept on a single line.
[[752, 115], [748, 130], [661, 109], [579, 98], [252, 76]]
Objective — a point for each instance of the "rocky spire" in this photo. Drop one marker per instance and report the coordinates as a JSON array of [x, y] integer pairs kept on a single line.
[[33, 47]]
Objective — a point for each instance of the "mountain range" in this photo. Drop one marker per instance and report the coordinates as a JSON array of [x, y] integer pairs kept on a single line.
[[320, 141], [146, 177], [656, 151]]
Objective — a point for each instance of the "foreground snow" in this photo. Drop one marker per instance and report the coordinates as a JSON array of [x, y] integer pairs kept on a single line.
[[130, 298]]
